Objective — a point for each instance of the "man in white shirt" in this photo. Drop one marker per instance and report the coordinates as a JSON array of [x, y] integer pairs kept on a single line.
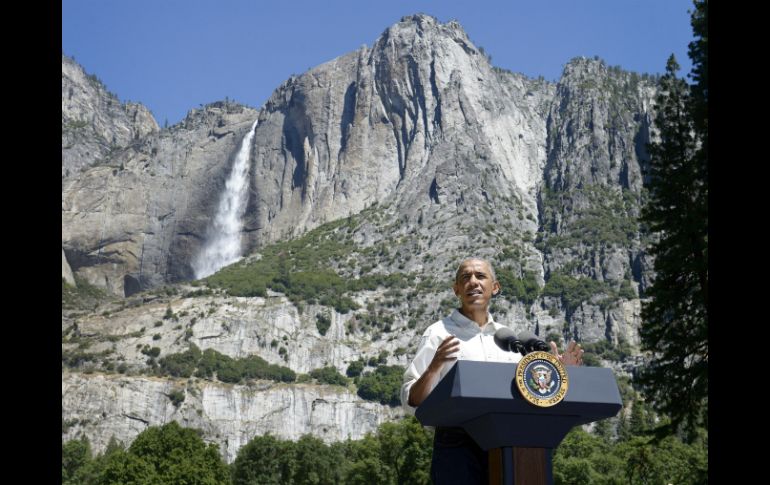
[[468, 334]]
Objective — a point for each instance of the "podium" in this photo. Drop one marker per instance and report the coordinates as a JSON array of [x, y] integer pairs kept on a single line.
[[482, 398]]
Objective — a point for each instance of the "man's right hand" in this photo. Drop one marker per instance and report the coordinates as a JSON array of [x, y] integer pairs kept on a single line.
[[446, 352]]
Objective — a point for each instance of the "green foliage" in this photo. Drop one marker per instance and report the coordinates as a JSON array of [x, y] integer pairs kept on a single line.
[[123, 467], [179, 455], [642, 418], [355, 368], [383, 385], [304, 269], [381, 320], [167, 454], [182, 364], [75, 454], [83, 296], [626, 291], [606, 350], [316, 462], [675, 317], [265, 460], [299, 268], [212, 364], [574, 459], [670, 461], [151, 351], [74, 358], [398, 453], [573, 291], [199, 292], [329, 375], [591, 360], [517, 289], [585, 458], [594, 216], [177, 397], [555, 337], [323, 323]]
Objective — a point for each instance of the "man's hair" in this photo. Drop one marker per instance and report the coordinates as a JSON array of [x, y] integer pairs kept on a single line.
[[462, 263]]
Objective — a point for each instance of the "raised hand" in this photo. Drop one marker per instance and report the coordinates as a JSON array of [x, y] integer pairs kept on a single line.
[[572, 356], [446, 352]]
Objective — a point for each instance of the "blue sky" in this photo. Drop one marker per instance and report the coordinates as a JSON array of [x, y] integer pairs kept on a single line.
[[174, 55]]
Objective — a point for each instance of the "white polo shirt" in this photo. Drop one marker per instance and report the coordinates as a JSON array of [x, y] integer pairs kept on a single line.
[[476, 343]]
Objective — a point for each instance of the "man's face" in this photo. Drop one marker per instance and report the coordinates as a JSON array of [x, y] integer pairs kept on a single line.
[[474, 286]]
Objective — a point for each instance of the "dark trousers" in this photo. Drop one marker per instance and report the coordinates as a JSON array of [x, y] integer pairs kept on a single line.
[[457, 459]]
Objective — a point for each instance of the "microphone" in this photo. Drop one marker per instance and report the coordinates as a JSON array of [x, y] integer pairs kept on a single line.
[[531, 343], [507, 340]]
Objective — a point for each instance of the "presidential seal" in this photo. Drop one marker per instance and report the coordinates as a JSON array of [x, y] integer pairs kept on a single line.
[[542, 379]]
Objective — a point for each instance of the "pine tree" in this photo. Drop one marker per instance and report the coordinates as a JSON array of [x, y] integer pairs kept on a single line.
[[624, 428], [638, 421], [675, 318]]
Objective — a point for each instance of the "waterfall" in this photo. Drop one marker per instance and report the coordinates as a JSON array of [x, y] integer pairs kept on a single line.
[[223, 241]]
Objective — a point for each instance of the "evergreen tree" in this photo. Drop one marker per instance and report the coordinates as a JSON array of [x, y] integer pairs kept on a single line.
[[74, 455], [638, 422], [176, 455], [265, 460], [675, 318], [604, 430], [624, 428], [316, 462], [126, 468]]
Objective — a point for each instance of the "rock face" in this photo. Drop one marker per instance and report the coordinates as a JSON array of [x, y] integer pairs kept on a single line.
[[136, 221], [421, 119], [66, 271], [94, 122], [103, 406], [236, 327], [429, 154]]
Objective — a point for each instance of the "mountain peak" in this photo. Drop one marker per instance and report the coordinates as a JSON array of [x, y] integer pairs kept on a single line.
[[424, 27]]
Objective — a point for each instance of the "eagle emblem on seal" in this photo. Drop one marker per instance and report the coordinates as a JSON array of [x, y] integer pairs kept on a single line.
[[540, 379]]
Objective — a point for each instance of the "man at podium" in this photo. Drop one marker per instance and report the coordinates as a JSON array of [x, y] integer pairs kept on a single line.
[[466, 334]]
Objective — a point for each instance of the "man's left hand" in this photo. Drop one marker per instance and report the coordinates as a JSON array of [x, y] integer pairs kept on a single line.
[[572, 356]]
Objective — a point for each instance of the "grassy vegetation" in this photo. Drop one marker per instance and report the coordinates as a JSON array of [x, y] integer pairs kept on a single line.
[[574, 291], [607, 351], [304, 269], [594, 216], [83, 296], [517, 289]]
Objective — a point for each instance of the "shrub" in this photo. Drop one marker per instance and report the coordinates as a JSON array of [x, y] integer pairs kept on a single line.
[[322, 323], [383, 385], [152, 352], [329, 375], [355, 368], [177, 397], [182, 364]]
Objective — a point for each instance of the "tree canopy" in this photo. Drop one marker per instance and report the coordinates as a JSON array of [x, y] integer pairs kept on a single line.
[[675, 314]]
